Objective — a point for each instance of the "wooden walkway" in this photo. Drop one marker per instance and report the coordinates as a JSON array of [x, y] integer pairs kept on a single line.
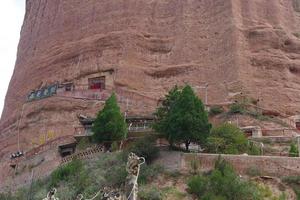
[[87, 154]]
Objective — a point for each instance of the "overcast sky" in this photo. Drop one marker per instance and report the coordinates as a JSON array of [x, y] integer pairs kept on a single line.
[[11, 19]]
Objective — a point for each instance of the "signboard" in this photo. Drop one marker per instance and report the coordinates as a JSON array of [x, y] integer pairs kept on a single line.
[[42, 93]]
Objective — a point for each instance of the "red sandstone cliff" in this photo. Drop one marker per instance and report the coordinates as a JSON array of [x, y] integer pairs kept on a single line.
[[233, 45]]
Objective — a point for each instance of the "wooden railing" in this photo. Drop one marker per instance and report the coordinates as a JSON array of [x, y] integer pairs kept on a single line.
[[87, 154]]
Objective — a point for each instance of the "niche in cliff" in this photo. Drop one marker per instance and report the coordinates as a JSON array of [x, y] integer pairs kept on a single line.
[[294, 70], [155, 45], [170, 72]]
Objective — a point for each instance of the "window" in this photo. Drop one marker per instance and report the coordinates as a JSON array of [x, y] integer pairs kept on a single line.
[[248, 133], [68, 87], [31, 96], [39, 94], [97, 83], [298, 125]]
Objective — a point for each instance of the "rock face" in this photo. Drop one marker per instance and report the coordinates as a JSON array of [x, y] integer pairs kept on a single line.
[[143, 48]]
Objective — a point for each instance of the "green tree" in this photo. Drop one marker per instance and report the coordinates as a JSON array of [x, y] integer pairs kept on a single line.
[[162, 112], [182, 117], [109, 124], [228, 139], [294, 152]]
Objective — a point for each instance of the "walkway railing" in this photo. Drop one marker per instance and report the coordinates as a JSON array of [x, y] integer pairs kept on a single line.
[[87, 154]]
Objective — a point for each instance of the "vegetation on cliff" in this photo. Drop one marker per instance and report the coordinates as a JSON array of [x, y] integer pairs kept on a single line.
[[294, 151], [222, 183], [87, 177]]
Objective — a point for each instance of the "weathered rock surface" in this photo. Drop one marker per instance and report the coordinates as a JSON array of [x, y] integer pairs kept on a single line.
[[235, 46]]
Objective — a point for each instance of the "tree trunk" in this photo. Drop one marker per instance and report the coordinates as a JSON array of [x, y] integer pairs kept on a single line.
[[171, 145], [187, 144]]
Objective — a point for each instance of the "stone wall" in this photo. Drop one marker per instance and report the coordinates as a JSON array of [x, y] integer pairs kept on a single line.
[[267, 165]]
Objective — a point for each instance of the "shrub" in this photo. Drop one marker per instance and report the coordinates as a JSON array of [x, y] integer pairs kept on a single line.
[[222, 183], [18, 195], [197, 185], [151, 193], [115, 146], [291, 179], [257, 115], [282, 196], [294, 152], [149, 172], [294, 182], [237, 108], [6, 196], [227, 139], [146, 148], [215, 110], [114, 167], [171, 192], [65, 172], [213, 197], [116, 175], [253, 149]]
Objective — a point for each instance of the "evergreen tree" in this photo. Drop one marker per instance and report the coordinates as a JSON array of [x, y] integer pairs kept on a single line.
[[162, 112], [182, 117], [110, 124], [294, 152]]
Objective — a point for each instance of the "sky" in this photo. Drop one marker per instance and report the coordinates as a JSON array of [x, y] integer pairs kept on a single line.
[[11, 19]]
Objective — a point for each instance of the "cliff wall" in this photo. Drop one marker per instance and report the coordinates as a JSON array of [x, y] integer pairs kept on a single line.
[[144, 48]]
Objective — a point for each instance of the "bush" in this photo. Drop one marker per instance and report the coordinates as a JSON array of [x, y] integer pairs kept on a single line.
[[65, 172], [198, 185], [294, 182], [253, 149], [149, 172], [116, 175], [294, 152], [227, 139], [146, 148], [215, 110], [151, 193], [237, 108], [115, 146], [222, 183], [291, 179]]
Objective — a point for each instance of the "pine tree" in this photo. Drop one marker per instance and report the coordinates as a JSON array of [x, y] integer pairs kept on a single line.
[[109, 125], [294, 151], [162, 112]]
